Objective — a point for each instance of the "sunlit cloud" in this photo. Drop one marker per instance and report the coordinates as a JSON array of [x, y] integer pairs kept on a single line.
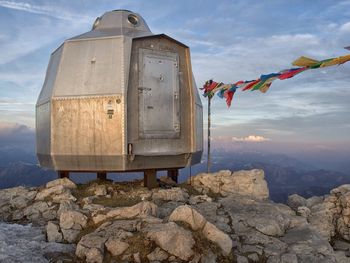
[[250, 138]]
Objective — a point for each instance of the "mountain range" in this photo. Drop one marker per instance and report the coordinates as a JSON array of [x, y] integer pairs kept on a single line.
[[285, 175]]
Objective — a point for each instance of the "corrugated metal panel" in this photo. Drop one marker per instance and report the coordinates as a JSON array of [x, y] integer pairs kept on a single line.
[[51, 73], [198, 116], [90, 67], [43, 128], [124, 82]]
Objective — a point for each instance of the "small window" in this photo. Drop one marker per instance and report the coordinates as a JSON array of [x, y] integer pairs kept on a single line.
[[97, 21], [133, 20]]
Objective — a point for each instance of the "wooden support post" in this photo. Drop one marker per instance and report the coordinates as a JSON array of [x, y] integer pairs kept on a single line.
[[150, 178], [101, 175], [173, 174], [63, 174]]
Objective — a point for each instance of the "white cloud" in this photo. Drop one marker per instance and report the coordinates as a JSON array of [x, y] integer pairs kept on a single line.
[[41, 10], [345, 27], [250, 138]]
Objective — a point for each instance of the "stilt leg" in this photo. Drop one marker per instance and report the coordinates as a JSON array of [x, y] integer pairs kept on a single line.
[[102, 176], [150, 179], [63, 174], [173, 174]]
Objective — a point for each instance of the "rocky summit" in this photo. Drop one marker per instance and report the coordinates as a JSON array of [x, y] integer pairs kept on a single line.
[[218, 217]]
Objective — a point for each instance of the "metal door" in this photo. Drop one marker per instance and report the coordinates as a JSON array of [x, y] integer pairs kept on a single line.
[[159, 116]]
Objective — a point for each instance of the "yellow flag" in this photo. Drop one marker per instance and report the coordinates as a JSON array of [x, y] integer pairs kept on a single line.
[[304, 62], [336, 61]]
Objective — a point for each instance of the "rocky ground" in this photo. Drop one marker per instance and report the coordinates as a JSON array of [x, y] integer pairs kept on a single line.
[[218, 217]]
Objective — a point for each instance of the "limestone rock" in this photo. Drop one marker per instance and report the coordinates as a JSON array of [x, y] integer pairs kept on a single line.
[[295, 200], [321, 219], [90, 242], [241, 259], [172, 238], [65, 182], [94, 255], [142, 209], [100, 190], [72, 220], [174, 194], [64, 197], [40, 211], [195, 199], [188, 215], [270, 219], [340, 190], [197, 222], [115, 246], [66, 206], [208, 257], [212, 233], [289, 258], [341, 257], [308, 245], [157, 255], [137, 258], [341, 245], [53, 232], [70, 235], [303, 211], [249, 183], [314, 200], [46, 192]]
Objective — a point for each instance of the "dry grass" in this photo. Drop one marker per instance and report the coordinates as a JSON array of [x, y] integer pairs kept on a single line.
[[118, 201]]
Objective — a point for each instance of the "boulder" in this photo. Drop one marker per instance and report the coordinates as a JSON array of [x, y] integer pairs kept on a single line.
[[213, 234], [341, 245], [295, 200], [100, 190], [71, 223], [40, 211], [53, 232], [303, 211], [142, 209], [115, 246], [72, 220], [197, 222], [172, 238], [157, 255], [57, 193], [308, 245], [46, 192], [195, 199], [321, 219], [176, 194], [90, 242], [65, 182], [248, 183], [188, 215], [266, 217], [70, 235], [66, 206]]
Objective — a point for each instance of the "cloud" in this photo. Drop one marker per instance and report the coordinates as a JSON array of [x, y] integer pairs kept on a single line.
[[16, 134], [250, 138], [345, 27], [41, 10]]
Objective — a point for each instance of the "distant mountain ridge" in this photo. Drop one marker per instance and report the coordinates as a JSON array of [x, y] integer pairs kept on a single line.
[[285, 175]]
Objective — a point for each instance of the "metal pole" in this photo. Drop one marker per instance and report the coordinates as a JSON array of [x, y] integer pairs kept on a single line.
[[209, 138]]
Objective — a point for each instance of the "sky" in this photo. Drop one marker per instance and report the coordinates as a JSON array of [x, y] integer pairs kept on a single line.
[[229, 41]]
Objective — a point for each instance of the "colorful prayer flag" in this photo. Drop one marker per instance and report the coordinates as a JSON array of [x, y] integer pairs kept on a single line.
[[227, 91]]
